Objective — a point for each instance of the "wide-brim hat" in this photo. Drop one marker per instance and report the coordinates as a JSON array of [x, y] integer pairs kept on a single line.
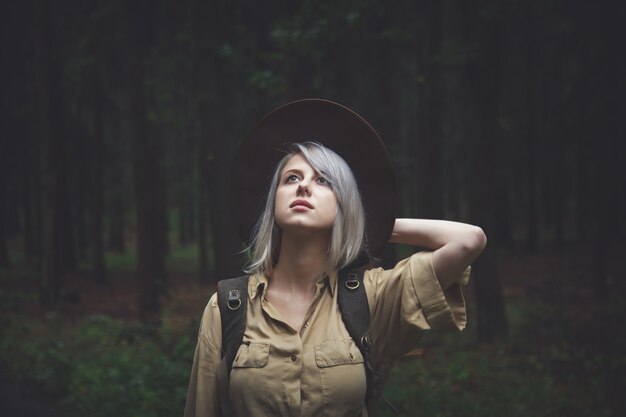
[[334, 126]]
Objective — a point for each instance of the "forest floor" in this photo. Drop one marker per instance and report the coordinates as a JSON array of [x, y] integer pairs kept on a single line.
[[549, 297]]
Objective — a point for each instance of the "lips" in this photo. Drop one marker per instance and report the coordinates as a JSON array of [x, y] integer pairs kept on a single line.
[[301, 203]]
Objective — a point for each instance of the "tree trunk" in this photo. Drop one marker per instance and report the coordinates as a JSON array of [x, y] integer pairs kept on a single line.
[[83, 187], [97, 239], [606, 116], [203, 207], [30, 171], [185, 207], [150, 256], [533, 224], [228, 262], [4, 253], [117, 242], [63, 211], [483, 73], [6, 137], [49, 273], [429, 167], [183, 228], [219, 153]]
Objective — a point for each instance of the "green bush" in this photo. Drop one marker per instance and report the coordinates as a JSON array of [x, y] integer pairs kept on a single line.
[[104, 368], [548, 367]]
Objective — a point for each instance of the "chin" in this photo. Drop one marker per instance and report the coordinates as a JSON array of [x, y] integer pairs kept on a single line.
[[306, 228]]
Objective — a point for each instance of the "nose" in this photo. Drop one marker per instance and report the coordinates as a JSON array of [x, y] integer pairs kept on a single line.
[[303, 188]]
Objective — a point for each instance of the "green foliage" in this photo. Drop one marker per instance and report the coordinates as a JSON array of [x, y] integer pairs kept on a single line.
[[10, 301], [266, 80], [472, 384], [183, 259], [531, 374], [104, 368], [126, 261]]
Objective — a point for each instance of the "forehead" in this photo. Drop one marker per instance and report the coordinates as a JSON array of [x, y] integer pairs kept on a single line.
[[297, 162]]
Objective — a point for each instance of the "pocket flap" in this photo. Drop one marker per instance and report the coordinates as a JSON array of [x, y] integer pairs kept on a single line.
[[253, 355], [337, 352]]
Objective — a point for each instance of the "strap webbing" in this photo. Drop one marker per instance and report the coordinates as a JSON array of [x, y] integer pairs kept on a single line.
[[355, 313], [353, 304], [232, 298]]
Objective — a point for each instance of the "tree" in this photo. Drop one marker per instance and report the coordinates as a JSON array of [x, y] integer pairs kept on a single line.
[[430, 135], [49, 267], [150, 250], [483, 72]]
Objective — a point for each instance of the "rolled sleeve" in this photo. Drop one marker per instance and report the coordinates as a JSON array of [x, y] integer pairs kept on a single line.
[[202, 394], [408, 299], [443, 310]]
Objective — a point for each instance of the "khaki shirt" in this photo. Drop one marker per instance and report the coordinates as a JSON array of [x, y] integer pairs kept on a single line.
[[319, 371]]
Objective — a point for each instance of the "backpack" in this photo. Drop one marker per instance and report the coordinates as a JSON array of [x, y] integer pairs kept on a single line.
[[232, 297]]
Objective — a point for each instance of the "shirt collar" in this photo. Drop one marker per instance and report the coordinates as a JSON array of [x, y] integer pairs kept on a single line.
[[330, 280], [257, 284]]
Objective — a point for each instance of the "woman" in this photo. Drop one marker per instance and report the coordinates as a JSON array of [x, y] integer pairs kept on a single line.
[[296, 357]]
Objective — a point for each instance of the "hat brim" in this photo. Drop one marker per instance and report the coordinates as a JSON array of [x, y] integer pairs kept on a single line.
[[335, 127]]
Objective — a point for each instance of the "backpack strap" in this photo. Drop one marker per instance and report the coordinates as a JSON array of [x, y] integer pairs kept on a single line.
[[355, 313], [353, 304], [232, 299]]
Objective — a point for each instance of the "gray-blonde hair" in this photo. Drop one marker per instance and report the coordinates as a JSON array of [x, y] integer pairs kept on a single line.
[[348, 234]]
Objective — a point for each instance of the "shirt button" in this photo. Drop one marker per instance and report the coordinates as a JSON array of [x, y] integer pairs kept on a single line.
[[293, 358]]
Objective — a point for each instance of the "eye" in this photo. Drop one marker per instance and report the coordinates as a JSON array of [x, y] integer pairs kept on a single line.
[[291, 178], [323, 181]]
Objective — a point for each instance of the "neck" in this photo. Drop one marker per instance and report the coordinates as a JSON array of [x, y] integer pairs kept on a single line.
[[301, 262]]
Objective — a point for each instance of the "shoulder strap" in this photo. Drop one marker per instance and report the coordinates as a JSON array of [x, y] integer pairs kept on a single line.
[[232, 299], [355, 313]]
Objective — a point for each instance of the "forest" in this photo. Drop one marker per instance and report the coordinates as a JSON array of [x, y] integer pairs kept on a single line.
[[119, 123]]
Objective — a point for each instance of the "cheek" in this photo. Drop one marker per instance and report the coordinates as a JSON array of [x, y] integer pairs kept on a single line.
[[333, 207], [277, 205], [279, 199]]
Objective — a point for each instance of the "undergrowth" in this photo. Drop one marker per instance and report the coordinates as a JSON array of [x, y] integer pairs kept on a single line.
[[555, 362], [565, 374], [102, 367]]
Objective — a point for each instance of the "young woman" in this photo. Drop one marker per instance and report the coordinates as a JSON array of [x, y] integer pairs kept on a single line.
[[296, 357]]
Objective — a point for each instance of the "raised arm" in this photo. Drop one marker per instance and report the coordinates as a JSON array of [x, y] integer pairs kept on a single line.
[[454, 245]]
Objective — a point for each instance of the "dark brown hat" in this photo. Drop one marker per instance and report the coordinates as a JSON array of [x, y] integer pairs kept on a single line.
[[335, 127]]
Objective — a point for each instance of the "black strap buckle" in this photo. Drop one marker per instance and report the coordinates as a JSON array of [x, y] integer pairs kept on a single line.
[[352, 283], [234, 299]]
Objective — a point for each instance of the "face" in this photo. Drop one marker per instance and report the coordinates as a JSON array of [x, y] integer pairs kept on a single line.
[[304, 199]]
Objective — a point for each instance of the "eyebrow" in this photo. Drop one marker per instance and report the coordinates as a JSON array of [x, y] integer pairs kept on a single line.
[[299, 171], [296, 170]]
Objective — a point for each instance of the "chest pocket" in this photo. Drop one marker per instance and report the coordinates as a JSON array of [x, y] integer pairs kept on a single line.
[[253, 355], [249, 377], [337, 352], [342, 375]]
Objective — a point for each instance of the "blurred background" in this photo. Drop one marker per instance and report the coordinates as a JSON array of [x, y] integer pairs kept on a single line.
[[119, 121]]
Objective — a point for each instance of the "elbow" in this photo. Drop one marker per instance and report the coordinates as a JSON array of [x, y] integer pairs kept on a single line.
[[476, 241]]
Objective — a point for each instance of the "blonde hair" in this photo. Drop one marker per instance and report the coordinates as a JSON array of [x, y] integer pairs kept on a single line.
[[347, 239]]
